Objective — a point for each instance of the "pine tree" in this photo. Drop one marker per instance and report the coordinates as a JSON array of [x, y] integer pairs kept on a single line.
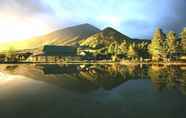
[[157, 46], [132, 53], [11, 55], [171, 43], [183, 40], [123, 48], [143, 50], [111, 48]]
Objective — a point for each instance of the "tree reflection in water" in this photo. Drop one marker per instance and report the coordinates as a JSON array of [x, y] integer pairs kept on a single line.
[[93, 76]]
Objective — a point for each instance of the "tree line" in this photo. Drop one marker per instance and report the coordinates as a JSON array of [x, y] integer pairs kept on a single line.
[[170, 46]]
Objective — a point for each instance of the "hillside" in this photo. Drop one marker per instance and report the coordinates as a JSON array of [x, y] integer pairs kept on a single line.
[[69, 36], [111, 42], [104, 38], [108, 36]]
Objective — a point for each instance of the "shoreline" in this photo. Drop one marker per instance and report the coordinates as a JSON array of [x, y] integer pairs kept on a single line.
[[102, 62]]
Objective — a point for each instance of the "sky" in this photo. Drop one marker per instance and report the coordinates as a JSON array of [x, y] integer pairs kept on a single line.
[[20, 19]]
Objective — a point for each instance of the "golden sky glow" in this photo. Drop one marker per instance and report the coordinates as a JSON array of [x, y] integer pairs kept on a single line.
[[15, 28], [20, 19]]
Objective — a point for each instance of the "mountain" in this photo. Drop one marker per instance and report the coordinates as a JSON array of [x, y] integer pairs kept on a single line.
[[107, 36], [104, 38], [69, 36]]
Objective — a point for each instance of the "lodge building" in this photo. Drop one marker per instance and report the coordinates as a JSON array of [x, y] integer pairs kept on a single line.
[[51, 53]]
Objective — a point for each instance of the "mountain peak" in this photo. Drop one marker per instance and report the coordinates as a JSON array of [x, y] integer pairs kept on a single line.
[[79, 27], [110, 30], [104, 38], [91, 27], [69, 36], [86, 24]]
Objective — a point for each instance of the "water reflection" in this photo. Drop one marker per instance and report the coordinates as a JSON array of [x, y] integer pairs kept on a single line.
[[91, 91], [85, 78]]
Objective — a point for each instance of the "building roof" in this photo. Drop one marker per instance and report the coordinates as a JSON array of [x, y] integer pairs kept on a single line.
[[50, 50]]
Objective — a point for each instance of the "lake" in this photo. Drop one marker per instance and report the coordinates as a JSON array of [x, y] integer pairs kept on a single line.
[[92, 91]]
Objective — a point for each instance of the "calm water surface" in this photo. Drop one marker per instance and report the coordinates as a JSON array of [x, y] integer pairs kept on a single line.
[[92, 91]]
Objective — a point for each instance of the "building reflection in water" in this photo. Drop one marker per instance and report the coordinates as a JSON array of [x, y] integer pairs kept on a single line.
[[90, 77]]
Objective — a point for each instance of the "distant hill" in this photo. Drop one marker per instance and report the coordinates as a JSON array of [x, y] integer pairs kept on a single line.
[[107, 36], [69, 36], [84, 34], [104, 38]]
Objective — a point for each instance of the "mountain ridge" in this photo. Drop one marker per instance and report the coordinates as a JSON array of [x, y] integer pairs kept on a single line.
[[68, 36], [83, 34], [105, 38]]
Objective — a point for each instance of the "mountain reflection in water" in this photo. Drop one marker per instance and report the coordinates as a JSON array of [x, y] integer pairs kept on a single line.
[[118, 87]]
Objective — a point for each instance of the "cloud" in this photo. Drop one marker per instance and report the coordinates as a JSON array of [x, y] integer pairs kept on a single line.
[[25, 19], [138, 18], [22, 6], [175, 19]]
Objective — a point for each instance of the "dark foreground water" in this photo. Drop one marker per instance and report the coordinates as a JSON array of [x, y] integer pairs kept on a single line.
[[92, 91]]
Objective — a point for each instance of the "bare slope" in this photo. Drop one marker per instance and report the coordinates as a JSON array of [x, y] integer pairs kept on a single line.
[[69, 36]]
